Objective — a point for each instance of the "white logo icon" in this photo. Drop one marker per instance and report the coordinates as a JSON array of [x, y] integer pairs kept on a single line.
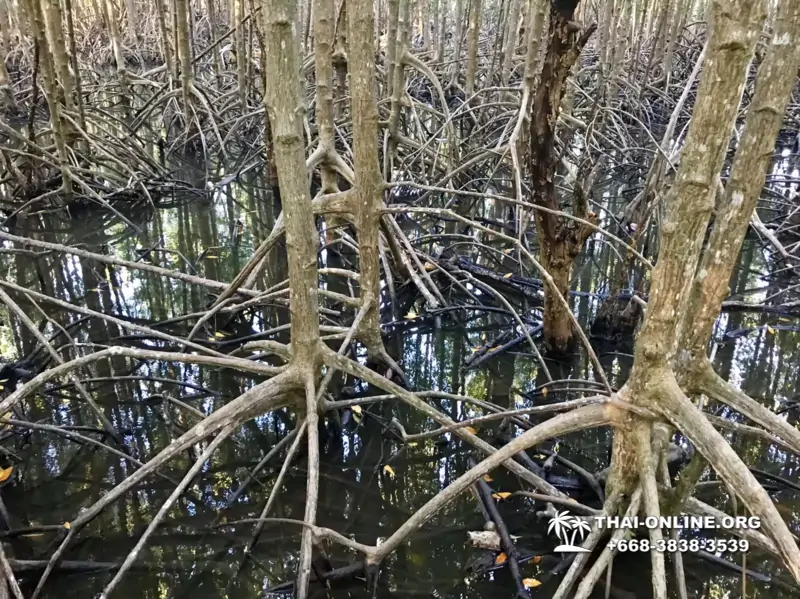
[[564, 523]]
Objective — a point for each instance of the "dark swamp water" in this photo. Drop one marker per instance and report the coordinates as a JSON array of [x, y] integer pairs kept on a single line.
[[213, 234]]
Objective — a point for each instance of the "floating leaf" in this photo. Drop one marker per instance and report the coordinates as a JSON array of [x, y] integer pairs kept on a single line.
[[487, 478], [508, 275], [545, 391], [5, 473], [411, 314], [389, 470], [503, 495], [500, 559], [469, 429], [530, 583], [67, 525]]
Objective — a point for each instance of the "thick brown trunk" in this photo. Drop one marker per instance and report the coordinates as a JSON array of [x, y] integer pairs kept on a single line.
[[558, 326], [560, 241]]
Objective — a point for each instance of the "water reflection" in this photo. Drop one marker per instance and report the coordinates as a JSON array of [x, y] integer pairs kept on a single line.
[[211, 231]]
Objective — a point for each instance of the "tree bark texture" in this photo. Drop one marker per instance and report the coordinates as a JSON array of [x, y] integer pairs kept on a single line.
[[560, 240]]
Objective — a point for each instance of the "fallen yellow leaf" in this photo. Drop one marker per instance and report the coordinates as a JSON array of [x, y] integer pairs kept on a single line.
[[5, 473], [469, 429], [411, 314], [487, 478], [389, 470], [503, 495], [67, 525], [500, 559], [530, 583], [413, 444], [508, 275], [545, 391], [476, 350], [770, 330], [212, 257], [356, 409], [429, 266], [220, 335]]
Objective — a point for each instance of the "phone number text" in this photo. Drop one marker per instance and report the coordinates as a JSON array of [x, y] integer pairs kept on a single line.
[[681, 545]]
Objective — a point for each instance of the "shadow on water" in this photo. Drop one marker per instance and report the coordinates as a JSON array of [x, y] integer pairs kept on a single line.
[[212, 232]]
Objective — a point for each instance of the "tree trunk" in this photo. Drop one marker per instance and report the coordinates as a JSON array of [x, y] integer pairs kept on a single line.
[[116, 44], [457, 35], [184, 55], [560, 240], [166, 48], [689, 202], [510, 40], [7, 100], [472, 47], [368, 200], [37, 24], [58, 50], [440, 27], [395, 72], [776, 77], [286, 112]]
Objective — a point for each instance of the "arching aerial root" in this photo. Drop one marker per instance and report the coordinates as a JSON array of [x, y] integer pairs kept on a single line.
[[666, 398]]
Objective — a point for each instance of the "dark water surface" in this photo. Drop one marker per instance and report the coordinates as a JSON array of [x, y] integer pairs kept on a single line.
[[187, 557]]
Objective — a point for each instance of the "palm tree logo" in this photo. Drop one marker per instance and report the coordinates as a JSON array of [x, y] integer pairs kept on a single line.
[[561, 525]]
